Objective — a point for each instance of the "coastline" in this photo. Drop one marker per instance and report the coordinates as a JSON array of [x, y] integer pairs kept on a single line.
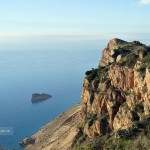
[[57, 134]]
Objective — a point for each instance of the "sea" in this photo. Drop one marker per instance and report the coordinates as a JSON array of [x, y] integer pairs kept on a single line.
[[59, 72]]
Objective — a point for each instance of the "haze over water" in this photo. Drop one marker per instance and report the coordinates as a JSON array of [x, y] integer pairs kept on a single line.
[[47, 46], [57, 72]]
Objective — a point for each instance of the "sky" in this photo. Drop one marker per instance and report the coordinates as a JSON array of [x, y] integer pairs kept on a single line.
[[34, 21]]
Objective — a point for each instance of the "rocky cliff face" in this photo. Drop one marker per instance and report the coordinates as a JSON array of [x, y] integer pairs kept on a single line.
[[117, 93]]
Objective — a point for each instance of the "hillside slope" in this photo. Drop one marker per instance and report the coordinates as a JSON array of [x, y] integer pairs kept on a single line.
[[56, 135]]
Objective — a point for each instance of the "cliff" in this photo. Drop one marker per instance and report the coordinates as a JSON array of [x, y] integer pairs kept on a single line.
[[116, 95], [115, 109]]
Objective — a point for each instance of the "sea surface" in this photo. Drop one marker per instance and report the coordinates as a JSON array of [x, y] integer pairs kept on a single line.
[[57, 72]]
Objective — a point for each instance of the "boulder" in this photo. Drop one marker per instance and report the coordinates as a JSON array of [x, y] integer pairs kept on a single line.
[[27, 141]]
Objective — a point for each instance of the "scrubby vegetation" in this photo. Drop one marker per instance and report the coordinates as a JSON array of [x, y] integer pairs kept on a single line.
[[90, 119], [135, 137], [142, 70], [121, 51], [99, 74], [146, 59], [91, 74], [102, 74], [144, 89], [139, 108], [131, 53], [128, 60], [79, 138]]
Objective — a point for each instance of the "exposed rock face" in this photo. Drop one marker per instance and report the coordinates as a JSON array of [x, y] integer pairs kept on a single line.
[[27, 141], [112, 93], [108, 52]]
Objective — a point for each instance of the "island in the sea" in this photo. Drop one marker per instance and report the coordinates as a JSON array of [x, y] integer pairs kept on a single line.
[[36, 97]]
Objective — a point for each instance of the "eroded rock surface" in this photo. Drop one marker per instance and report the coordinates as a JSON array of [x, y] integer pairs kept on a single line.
[[112, 92]]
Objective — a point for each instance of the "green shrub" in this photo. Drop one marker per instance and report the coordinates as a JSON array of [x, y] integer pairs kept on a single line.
[[123, 134], [79, 138], [138, 125], [102, 74], [104, 117], [139, 108], [121, 51], [146, 59], [142, 70], [90, 119], [144, 89], [131, 59], [137, 43], [91, 74], [88, 146]]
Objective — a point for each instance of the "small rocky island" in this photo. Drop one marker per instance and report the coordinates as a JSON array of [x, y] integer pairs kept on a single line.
[[36, 97]]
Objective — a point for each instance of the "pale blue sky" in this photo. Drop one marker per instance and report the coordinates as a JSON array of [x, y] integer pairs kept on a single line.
[[25, 19]]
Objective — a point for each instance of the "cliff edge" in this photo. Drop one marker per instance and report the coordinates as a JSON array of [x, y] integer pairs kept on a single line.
[[116, 98]]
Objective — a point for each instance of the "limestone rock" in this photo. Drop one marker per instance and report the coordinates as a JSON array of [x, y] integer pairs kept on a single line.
[[117, 87], [108, 53], [118, 58]]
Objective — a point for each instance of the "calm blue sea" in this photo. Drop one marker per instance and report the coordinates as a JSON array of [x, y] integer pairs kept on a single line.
[[56, 72]]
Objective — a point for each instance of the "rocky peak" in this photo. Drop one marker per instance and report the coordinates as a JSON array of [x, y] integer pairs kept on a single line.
[[114, 43], [117, 47], [117, 93], [109, 51]]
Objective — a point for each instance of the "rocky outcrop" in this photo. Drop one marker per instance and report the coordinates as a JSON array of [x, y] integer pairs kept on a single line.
[[27, 141], [117, 93], [108, 54], [36, 97]]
